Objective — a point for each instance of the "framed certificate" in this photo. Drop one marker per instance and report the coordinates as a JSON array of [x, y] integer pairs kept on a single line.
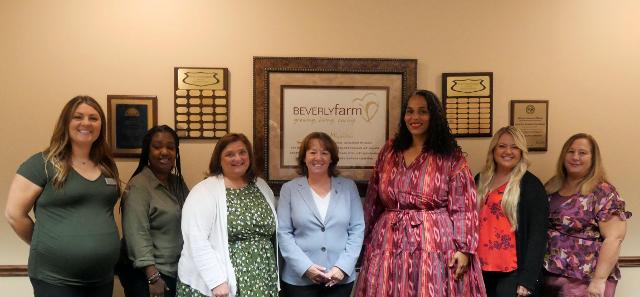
[[356, 101], [129, 118], [532, 117]]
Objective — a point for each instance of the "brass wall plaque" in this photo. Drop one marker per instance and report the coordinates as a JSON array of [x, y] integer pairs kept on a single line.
[[201, 102], [532, 117], [468, 103]]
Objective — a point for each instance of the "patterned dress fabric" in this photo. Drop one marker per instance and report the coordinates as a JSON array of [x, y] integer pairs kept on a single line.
[[497, 246], [417, 216], [574, 236], [560, 286], [183, 290], [251, 228]]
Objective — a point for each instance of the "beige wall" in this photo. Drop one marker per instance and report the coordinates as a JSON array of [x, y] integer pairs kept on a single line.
[[581, 55]]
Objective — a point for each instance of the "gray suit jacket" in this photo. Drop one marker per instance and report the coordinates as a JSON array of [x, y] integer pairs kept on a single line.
[[305, 239]]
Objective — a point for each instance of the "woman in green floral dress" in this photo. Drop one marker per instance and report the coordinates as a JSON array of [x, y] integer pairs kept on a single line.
[[228, 226]]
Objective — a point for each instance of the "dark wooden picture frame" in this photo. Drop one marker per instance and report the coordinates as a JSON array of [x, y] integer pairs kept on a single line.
[[335, 70], [129, 118]]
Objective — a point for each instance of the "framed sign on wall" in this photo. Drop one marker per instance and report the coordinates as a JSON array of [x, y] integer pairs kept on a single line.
[[532, 117], [468, 103], [129, 118], [355, 101], [201, 102]]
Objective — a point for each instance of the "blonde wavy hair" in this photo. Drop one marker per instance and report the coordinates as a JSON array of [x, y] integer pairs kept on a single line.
[[594, 177], [59, 151], [511, 195]]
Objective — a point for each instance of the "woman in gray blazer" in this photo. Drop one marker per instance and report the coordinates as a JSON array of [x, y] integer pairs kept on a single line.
[[320, 224]]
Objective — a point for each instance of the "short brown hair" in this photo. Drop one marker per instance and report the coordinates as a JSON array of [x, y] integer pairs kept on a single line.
[[214, 165], [328, 143]]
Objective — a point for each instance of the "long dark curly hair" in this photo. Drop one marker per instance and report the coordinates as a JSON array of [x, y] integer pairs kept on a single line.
[[179, 185], [439, 138]]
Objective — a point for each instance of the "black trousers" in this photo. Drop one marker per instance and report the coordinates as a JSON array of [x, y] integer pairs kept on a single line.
[[317, 290], [134, 282], [44, 289], [500, 284]]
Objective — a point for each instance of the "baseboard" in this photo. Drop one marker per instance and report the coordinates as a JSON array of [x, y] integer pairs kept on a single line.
[[21, 270]]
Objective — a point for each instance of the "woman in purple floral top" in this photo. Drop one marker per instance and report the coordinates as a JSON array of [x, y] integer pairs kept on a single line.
[[587, 224]]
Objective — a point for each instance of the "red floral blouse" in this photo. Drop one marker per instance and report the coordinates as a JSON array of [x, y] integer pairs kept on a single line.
[[497, 243]]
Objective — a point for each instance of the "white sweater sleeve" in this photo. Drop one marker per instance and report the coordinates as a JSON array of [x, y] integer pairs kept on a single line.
[[199, 215]]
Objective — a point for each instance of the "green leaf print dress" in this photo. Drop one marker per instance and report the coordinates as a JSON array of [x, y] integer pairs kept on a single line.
[[252, 228]]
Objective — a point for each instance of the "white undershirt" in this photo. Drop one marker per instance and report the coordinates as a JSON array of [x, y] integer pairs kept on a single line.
[[321, 203]]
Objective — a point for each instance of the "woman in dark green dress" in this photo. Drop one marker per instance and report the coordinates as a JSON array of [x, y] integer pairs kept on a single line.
[[228, 227], [72, 186]]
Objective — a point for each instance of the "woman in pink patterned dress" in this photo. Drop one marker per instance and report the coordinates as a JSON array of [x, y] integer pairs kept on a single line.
[[420, 212], [587, 224]]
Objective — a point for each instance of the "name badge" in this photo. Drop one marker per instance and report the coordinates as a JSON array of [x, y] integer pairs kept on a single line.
[[110, 181]]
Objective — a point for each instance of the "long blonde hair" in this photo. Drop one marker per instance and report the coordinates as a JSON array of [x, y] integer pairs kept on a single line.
[[59, 151], [511, 195], [594, 177]]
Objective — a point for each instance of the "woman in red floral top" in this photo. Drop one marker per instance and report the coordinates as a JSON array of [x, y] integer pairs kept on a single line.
[[513, 218], [588, 224]]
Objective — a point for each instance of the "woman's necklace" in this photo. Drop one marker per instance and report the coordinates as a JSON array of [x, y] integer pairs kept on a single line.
[[78, 162]]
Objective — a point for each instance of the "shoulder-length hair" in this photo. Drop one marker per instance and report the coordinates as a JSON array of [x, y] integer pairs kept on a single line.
[[215, 168], [511, 195], [594, 177], [144, 157], [328, 144], [59, 150], [439, 138]]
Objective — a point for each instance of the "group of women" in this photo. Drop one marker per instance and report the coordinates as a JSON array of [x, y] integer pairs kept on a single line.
[[426, 228]]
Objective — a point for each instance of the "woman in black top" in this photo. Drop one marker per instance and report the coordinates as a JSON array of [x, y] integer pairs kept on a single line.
[[513, 218]]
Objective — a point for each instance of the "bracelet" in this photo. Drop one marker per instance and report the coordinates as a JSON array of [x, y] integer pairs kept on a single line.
[[154, 278]]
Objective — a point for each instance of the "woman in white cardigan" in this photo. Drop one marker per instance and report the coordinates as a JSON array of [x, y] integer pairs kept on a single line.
[[228, 226]]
